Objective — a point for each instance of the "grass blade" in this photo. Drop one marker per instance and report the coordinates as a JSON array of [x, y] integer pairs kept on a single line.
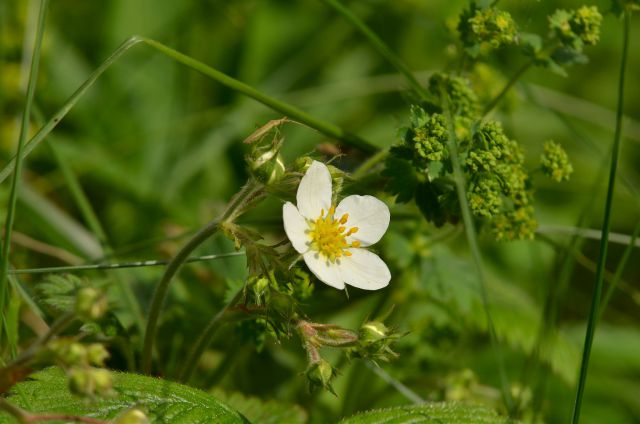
[[382, 48], [606, 226], [24, 129]]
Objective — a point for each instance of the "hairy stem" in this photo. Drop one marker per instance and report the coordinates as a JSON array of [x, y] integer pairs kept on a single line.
[[606, 226], [250, 192]]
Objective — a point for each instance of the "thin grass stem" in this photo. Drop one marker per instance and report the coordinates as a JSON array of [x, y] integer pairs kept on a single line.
[[121, 265], [620, 269], [494, 102], [326, 128], [24, 130], [382, 48], [606, 226], [472, 240]]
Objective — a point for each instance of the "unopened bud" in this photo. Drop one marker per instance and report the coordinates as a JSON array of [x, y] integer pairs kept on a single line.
[[132, 416], [91, 304], [320, 374], [373, 332], [97, 354], [67, 352], [84, 381]]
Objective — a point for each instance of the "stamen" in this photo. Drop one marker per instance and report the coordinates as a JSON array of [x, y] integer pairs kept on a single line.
[[328, 237], [353, 230]]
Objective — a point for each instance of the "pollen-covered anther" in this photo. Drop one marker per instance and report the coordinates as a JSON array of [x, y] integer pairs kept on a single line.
[[328, 235]]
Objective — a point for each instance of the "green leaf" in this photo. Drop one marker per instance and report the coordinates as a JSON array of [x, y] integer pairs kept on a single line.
[[440, 413], [263, 411], [164, 401], [402, 179]]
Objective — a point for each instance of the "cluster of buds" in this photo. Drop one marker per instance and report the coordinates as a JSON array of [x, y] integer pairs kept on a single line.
[[91, 304], [555, 162], [372, 342], [90, 381], [486, 29], [499, 189], [81, 362], [576, 28]]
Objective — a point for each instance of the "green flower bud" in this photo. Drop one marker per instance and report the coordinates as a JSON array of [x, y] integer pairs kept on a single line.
[[67, 352], [97, 354], [103, 381], [577, 28], [586, 24], [80, 382], [91, 304], [494, 27], [430, 140], [132, 416], [320, 374], [88, 382], [373, 332], [555, 162]]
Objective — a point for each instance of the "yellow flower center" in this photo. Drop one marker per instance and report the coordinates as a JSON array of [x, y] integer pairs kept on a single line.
[[329, 235]]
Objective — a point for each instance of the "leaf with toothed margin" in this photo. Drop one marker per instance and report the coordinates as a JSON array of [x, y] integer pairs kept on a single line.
[[430, 413], [163, 401]]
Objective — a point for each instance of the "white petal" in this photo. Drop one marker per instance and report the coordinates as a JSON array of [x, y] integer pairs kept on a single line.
[[327, 272], [369, 214], [364, 270], [295, 226], [314, 192]]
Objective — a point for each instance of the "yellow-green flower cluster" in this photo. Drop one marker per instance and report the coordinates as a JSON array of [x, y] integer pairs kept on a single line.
[[493, 26], [482, 30], [430, 139], [498, 183], [577, 28], [555, 162]]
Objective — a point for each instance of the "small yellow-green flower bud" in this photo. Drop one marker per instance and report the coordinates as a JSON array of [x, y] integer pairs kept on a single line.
[[91, 304], [87, 381], [320, 374], [555, 162], [103, 381], [493, 26], [132, 416], [80, 382], [67, 352], [373, 332], [97, 354]]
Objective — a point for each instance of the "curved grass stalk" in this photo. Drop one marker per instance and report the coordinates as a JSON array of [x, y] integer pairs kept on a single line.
[[251, 192], [606, 226], [326, 128], [24, 129]]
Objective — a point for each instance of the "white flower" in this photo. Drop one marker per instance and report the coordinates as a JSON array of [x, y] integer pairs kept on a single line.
[[331, 238]]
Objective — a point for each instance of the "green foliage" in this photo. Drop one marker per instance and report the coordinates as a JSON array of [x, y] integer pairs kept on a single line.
[[164, 401], [498, 185], [436, 413], [259, 411]]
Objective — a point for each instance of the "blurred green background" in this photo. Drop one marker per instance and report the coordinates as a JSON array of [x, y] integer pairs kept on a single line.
[[157, 149]]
